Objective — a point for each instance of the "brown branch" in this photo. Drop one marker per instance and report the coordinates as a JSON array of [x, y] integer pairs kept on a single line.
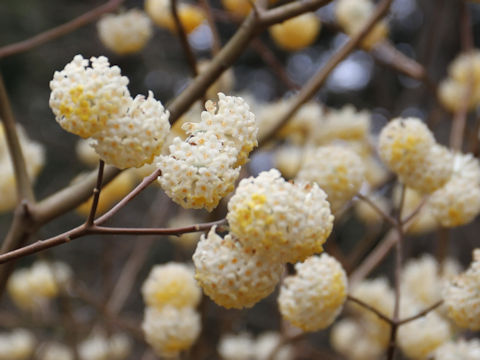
[[311, 88], [415, 211], [84, 230], [22, 181], [370, 308], [59, 31], [374, 206], [253, 24], [187, 49], [96, 193], [420, 314]]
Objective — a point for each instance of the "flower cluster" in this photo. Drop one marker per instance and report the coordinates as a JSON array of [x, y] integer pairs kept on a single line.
[[171, 323], [296, 33], [313, 298], [100, 347], [461, 295], [461, 89], [191, 16], [125, 33], [337, 170], [34, 156], [31, 288], [91, 99], [352, 15], [460, 349], [55, 351], [409, 149], [201, 170], [19, 344], [243, 347]]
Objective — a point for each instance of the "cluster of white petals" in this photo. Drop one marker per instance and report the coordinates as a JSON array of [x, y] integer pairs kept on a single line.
[[136, 137], [462, 296], [231, 274], [30, 288], [170, 330], [337, 170], [201, 170], [90, 98], [19, 344], [313, 297], [284, 221], [125, 33], [459, 350], [100, 347], [408, 148], [244, 347], [458, 201]]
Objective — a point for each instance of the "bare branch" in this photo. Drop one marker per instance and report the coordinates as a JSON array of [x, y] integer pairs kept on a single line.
[[370, 308], [96, 193]]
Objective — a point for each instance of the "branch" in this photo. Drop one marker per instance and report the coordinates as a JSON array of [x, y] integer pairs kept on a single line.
[[96, 193], [374, 206], [370, 308], [23, 185], [84, 230], [253, 24], [420, 314], [59, 31], [311, 88]]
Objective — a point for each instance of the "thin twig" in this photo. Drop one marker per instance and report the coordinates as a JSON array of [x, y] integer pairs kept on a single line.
[[420, 314], [96, 193], [187, 49], [374, 206], [370, 308], [415, 211], [59, 31]]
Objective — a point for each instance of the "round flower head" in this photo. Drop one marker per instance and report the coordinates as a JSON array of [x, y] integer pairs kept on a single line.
[[191, 16], [170, 330], [267, 343], [313, 298], [17, 345], [55, 351], [286, 222], [458, 201], [418, 339], [453, 94], [345, 124], [466, 67], [462, 296], [236, 347], [86, 94], [232, 122], [125, 33], [232, 275], [136, 137], [98, 347], [350, 339], [199, 172], [459, 350], [337, 170], [171, 284], [352, 15], [296, 33]]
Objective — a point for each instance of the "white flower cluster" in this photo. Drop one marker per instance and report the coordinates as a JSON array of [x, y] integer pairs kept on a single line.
[[287, 222], [337, 170], [459, 350], [313, 298], [231, 274], [171, 323], [462, 296], [408, 148], [461, 89], [244, 347], [31, 288], [100, 347], [125, 33], [352, 15], [271, 222], [19, 344], [458, 201], [91, 99], [201, 170], [34, 156], [55, 351]]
